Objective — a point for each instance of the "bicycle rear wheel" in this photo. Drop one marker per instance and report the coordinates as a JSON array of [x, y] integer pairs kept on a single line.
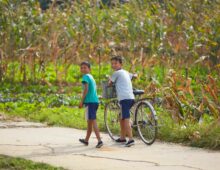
[[146, 121], [112, 119]]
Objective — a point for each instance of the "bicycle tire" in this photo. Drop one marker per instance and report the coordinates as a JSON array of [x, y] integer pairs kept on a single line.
[[146, 122], [112, 119]]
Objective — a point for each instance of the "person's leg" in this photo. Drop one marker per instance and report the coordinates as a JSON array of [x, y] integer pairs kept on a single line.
[[122, 126], [89, 130], [92, 116], [96, 130], [126, 106], [125, 128], [128, 129]]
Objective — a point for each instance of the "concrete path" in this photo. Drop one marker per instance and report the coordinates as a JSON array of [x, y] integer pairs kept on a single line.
[[60, 147]]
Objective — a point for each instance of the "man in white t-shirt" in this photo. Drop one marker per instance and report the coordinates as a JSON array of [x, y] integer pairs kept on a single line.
[[122, 80]]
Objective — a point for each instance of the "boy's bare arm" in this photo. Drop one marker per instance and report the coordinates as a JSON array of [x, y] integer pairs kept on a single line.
[[85, 91], [110, 82]]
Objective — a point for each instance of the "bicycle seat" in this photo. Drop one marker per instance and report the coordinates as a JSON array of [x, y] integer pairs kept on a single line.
[[138, 92]]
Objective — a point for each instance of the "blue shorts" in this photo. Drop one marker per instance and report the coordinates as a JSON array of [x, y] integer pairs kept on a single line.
[[91, 109], [125, 107]]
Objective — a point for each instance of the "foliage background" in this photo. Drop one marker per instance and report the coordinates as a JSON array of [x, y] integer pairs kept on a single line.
[[173, 45]]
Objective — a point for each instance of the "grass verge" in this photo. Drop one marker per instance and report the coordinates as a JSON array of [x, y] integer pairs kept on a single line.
[[205, 135], [11, 163]]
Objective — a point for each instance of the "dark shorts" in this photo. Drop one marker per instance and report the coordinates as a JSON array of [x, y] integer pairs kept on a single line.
[[91, 109], [125, 107]]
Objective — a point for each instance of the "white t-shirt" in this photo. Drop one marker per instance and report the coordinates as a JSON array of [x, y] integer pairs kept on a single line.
[[122, 80]]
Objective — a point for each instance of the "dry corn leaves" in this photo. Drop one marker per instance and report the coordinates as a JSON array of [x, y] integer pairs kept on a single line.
[[176, 97], [171, 107], [195, 136], [152, 89], [211, 89]]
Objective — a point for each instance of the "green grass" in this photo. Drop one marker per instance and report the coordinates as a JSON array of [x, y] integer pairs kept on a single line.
[[39, 53], [56, 116], [57, 104], [11, 163], [205, 135]]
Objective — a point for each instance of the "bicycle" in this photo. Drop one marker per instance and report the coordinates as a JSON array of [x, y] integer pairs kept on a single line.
[[143, 116]]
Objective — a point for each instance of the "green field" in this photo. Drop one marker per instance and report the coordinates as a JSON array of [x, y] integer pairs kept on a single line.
[[57, 105], [11, 163], [173, 46]]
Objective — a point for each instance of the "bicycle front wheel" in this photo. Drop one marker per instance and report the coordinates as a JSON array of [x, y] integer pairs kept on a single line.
[[112, 119], [146, 121]]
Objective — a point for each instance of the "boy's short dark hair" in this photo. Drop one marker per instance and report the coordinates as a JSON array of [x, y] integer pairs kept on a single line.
[[117, 58], [86, 63]]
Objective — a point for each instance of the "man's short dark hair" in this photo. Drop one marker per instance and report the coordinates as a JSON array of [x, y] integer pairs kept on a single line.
[[117, 58], [86, 63]]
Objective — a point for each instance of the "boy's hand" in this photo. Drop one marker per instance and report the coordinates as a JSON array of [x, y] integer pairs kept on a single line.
[[135, 75], [81, 105], [109, 82]]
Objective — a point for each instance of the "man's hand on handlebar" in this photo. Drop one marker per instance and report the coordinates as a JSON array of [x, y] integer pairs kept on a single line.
[[134, 76]]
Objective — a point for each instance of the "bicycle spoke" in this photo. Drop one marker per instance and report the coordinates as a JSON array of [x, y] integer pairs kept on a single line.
[[112, 119], [146, 123]]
